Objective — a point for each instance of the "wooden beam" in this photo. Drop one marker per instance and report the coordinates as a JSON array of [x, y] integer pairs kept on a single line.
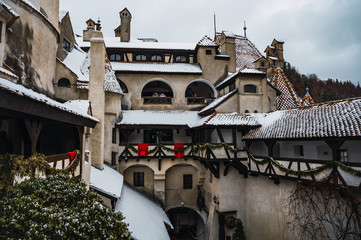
[[34, 128], [335, 146]]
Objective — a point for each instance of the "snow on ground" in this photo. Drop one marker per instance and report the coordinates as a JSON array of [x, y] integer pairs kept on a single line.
[[107, 181], [146, 219]]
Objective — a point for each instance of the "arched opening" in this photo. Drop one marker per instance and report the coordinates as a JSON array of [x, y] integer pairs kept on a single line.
[[141, 177], [123, 86], [199, 92], [187, 223], [65, 83], [157, 92]]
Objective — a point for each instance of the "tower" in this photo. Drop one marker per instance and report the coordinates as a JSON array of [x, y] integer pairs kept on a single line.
[[123, 31]]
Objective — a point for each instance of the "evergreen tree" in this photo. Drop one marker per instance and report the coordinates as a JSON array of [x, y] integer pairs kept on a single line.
[[238, 232], [57, 207]]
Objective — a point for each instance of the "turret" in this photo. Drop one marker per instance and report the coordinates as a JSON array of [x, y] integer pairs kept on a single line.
[[123, 31], [88, 32]]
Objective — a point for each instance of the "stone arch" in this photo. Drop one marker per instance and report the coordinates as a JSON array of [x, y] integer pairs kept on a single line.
[[64, 82], [188, 223], [165, 82], [140, 176], [203, 81]]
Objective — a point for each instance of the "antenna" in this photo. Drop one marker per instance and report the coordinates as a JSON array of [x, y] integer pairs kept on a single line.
[[245, 29], [215, 25]]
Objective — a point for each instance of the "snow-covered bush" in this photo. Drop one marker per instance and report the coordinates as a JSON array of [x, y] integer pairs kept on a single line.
[[57, 207]]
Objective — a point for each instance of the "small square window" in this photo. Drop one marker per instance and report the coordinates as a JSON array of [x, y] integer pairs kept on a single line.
[[187, 181], [209, 52], [138, 179]]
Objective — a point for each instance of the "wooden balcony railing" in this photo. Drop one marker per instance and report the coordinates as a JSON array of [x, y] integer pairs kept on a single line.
[[157, 100], [198, 100], [61, 161]]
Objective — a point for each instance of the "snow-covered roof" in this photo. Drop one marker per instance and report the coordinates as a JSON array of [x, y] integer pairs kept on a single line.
[[157, 67], [252, 71], [20, 90], [336, 119], [81, 105], [146, 219], [217, 102], [307, 100], [7, 72], [207, 42], [79, 62], [9, 9], [165, 118], [114, 42], [288, 97], [230, 77], [107, 181], [231, 119], [62, 14]]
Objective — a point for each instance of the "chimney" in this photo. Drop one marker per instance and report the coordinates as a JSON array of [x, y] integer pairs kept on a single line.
[[88, 32], [97, 96]]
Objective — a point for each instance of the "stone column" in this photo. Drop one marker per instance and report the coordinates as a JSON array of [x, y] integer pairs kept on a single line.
[[97, 96]]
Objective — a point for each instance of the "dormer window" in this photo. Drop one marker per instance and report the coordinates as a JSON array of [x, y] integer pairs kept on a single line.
[[66, 45], [181, 59], [140, 57], [156, 58], [115, 57]]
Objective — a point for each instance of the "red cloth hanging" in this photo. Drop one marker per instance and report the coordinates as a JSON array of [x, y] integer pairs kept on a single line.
[[179, 146], [142, 149], [72, 156]]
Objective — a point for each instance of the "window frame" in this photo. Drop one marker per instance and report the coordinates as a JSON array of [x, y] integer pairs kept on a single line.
[[140, 58], [62, 84], [138, 179], [187, 181], [156, 58], [181, 59], [66, 45], [118, 57], [250, 88]]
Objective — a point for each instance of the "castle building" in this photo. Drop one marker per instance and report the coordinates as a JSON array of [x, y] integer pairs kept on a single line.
[[179, 122]]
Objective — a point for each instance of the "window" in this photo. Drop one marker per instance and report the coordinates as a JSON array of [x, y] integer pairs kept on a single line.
[[187, 181], [114, 157], [115, 57], [262, 64], [66, 45], [150, 136], [246, 111], [156, 58], [209, 52], [255, 111], [232, 86], [343, 155], [65, 83], [181, 59], [167, 136], [249, 88], [140, 58], [298, 149], [114, 135], [138, 179]]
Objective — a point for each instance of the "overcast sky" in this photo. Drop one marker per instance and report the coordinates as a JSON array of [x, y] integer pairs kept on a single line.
[[321, 36]]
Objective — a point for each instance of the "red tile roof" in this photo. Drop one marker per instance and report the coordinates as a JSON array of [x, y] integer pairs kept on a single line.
[[288, 97]]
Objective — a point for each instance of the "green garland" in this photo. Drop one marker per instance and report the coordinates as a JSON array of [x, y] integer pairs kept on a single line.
[[12, 165], [195, 148]]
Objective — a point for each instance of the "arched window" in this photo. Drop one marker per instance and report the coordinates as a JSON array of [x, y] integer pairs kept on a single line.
[[249, 88], [181, 59], [246, 111], [115, 57], [199, 93], [255, 111], [123, 86], [157, 92], [65, 83], [140, 57], [156, 58]]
